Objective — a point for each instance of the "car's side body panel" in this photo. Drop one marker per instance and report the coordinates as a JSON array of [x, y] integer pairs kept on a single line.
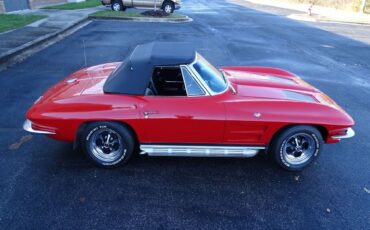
[[66, 118], [146, 3], [183, 119], [255, 117], [256, 122], [126, 3]]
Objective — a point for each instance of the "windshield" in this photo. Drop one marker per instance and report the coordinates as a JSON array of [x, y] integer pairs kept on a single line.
[[211, 76]]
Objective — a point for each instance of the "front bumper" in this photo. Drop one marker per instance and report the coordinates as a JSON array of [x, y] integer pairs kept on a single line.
[[27, 126], [177, 6], [349, 133]]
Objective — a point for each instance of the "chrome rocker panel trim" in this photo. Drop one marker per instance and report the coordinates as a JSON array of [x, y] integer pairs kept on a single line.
[[350, 133], [200, 151], [27, 126]]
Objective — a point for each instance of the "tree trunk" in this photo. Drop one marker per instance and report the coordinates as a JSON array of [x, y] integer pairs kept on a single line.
[[363, 5]]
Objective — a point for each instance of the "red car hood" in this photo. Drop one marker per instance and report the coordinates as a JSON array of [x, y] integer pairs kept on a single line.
[[270, 83]]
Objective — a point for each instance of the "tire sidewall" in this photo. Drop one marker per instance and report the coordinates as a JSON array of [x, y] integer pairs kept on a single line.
[[127, 142], [278, 146]]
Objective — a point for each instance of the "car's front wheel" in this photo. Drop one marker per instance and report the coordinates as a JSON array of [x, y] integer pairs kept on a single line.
[[107, 144], [117, 5], [296, 147], [168, 7]]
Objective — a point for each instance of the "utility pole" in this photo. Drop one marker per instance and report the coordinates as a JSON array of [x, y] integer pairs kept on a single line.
[[363, 5]]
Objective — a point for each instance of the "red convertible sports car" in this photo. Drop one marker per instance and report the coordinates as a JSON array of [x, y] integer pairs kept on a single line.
[[165, 99]]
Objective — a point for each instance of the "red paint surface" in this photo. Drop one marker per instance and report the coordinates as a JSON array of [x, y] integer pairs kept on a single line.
[[222, 119]]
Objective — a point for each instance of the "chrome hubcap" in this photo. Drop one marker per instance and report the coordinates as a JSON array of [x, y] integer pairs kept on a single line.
[[106, 145], [167, 9], [116, 7], [299, 148]]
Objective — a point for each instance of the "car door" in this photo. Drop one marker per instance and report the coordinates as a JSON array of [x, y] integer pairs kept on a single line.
[[198, 119], [147, 3], [128, 3]]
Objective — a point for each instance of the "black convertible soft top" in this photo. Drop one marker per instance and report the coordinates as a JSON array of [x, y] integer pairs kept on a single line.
[[133, 75]]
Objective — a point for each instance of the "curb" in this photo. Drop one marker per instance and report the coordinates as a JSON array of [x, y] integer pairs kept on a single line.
[[11, 54], [143, 19], [300, 17]]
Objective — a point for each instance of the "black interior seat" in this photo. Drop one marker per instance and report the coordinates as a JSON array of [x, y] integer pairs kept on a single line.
[[168, 81]]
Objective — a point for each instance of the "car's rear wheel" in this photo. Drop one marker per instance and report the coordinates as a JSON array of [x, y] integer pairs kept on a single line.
[[295, 147], [117, 5], [107, 144], [168, 7]]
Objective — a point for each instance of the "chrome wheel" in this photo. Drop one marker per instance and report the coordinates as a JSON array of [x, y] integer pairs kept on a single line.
[[299, 148], [116, 7], [168, 9], [107, 145]]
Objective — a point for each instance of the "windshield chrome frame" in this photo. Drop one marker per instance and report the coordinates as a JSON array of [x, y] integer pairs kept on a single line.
[[205, 91], [201, 80]]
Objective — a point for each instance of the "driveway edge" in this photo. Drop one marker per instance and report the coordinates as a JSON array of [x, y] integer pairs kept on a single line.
[[11, 56]]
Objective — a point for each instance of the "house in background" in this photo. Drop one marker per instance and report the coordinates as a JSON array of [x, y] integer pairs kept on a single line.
[[14, 5]]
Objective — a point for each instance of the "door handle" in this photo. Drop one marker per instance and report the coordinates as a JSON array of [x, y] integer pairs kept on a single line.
[[147, 113]]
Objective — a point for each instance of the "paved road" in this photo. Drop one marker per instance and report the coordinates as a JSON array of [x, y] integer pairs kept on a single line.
[[45, 184], [56, 22]]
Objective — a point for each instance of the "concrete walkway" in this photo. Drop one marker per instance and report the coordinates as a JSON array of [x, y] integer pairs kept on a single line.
[[14, 42], [319, 13]]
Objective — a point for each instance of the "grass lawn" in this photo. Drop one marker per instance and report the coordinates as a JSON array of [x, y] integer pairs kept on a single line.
[[75, 5], [13, 21], [125, 14]]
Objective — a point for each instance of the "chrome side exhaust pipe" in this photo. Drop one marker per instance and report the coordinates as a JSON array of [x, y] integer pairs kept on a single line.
[[200, 151]]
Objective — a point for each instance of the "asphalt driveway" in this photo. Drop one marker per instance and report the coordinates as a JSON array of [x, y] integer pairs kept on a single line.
[[46, 184]]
